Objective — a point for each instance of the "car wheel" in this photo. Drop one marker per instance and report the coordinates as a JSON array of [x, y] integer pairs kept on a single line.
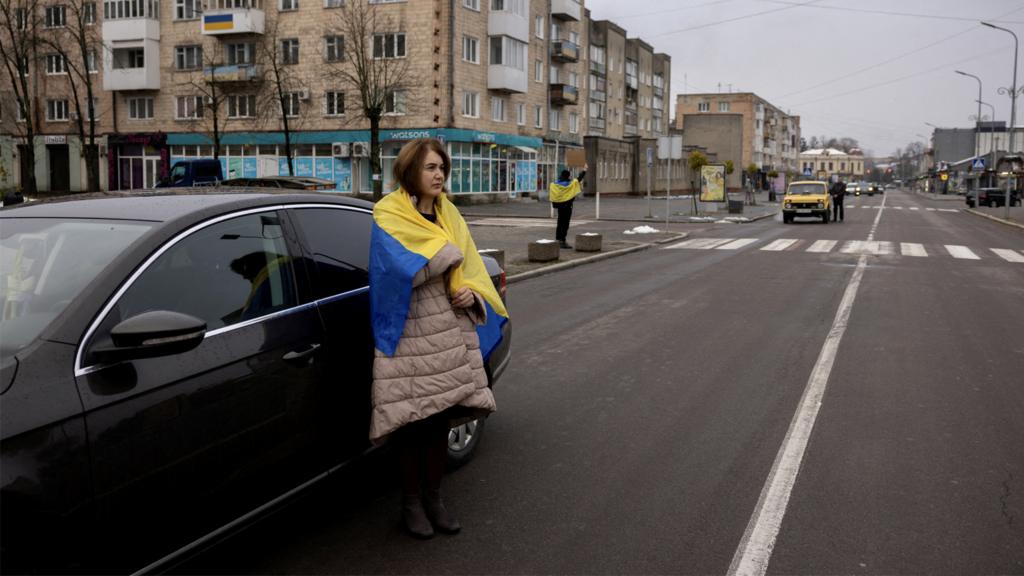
[[462, 442], [824, 217]]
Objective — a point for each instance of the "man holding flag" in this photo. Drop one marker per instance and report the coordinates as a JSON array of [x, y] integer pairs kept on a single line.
[[562, 192]]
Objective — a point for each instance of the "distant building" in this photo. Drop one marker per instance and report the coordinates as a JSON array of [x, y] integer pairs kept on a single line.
[[826, 162]]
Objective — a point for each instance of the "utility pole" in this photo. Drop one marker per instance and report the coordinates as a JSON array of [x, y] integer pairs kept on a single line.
[[977, 131], [1013, 108]]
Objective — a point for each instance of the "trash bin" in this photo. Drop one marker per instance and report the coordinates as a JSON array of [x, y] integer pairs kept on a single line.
[[735, 206]]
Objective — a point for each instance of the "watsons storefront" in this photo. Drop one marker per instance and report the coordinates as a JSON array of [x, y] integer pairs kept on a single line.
[[482, 162]]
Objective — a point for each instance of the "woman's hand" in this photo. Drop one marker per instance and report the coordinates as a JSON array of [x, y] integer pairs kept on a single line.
[[463, 298]]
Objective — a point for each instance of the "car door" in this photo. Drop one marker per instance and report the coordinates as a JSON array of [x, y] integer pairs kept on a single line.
[[184, 443], [336, 239]]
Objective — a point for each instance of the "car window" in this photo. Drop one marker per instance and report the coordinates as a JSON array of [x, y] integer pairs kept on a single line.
[[46, 263], [177, 173], [340, 244], [226, 273]]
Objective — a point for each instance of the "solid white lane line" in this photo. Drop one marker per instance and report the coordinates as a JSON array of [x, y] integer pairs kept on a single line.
[[736, 244], [701, 243], [780, 244], [962, 252], [912, 249], [930, 209], [755, 549], [823, 246], [1008, 255]]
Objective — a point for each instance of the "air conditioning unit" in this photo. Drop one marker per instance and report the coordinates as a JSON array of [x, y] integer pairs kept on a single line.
[[303, 94], [339, 149], [360, 149]]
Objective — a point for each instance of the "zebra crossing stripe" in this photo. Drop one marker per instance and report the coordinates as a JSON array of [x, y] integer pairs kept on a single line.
[[912, 249], [870, 247], [1008, 255], [898, 207], [948, 210], [701, 243], [823, 246], [914, 208], [780, 244], [735, 244], [930, 209], [961, 252]]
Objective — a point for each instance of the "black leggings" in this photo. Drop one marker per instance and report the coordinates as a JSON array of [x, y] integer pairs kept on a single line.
[[422, 453], [837, 209], [564, 215]]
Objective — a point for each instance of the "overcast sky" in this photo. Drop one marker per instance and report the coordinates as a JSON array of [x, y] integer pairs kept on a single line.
[[874, 70]]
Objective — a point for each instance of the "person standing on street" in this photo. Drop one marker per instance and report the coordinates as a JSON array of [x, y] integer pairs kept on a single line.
[[562, 192], [436, 316], [838, 192]]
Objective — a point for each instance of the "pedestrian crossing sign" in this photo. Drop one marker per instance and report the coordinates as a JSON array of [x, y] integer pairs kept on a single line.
[[978, 164]]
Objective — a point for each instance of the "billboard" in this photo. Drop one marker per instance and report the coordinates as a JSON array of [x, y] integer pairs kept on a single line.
[[712, 183]]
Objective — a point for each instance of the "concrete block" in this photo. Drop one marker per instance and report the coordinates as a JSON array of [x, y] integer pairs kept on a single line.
[[542, 251], [588, 242], [495, 253]]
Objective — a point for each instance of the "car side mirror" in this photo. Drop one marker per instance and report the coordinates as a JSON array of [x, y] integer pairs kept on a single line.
[[151, 335]]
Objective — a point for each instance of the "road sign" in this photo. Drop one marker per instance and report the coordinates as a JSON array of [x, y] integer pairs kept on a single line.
[[650, 156], [807, 171], [670, 148], [978, 164]]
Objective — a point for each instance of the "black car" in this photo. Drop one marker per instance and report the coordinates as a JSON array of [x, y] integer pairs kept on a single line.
[[174, 364], [992, 197]]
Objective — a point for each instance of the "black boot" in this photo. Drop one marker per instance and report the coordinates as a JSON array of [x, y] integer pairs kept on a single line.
[[415, 518], [441, 518], [564, 245]]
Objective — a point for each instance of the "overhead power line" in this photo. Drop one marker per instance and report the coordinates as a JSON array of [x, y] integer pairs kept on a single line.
[[737, 18], [888, 13], [672, 10]]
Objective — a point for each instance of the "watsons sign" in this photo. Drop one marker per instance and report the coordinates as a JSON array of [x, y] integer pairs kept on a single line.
[[409, 134]]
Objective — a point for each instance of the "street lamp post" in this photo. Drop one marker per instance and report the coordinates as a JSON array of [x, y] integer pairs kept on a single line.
[[977, 130], [991, 135], [1013, 105]]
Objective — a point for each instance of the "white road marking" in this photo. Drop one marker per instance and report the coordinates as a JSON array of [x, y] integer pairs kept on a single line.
[[911, 249], [823, 246], [914, 208], [898, 207], [870, 247], [736, 244], [755, 549], [948, 210], [1008, 255], [962, 252], [930, 209], [701, 243], [780, 244]]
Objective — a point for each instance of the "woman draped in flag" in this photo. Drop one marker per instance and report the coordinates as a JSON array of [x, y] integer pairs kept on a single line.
[[562, 192], [436, 315]]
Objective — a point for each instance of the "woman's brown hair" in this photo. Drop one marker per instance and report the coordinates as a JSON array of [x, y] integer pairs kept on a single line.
[[407, 167]]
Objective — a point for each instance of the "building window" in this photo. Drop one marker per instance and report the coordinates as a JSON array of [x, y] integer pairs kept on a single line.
[[290, 104], [290, 51], [538, 116], [89, 13], [472, 4], [128, 58], [334, 48], [56, 110], [574, 37], [91, 63], [242, 106], [239, 54], [723, 106], [842, 166], [553, 74], [186, 9], [538, 71], [471, 49], [56, 64], [521, 114], [188, 57], [538, 27], [334, 103], [497, 109], [394, 103], [334, 3], [519, 7], [597, 54], [703, 106], [573, 123], [554, 119], [509, 52], [389, 45], [56, 17], [188, 107], [574, 80], [470, 104], [289, 5], [140, 108], [20, 19]]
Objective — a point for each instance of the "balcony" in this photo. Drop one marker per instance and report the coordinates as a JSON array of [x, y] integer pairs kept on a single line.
[[598, 68], [564, 94], [232, 73], [629, 129], [506, 23], [598, 96], [632, 82], [631, 105], [658, 91], [595, 124], [132, 66], [130, 30], [566, 10], [506, 79], [225, 21], [564, 51]]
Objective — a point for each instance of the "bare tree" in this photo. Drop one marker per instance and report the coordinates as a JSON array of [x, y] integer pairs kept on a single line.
[[212, 84], [78, 45], [279, 56], [19, 23], [375, 68]]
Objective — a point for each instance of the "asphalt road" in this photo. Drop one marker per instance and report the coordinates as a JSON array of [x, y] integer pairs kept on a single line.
[[650, 394]]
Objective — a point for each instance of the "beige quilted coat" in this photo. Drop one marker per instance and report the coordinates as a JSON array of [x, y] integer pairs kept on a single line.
[[437, 364]]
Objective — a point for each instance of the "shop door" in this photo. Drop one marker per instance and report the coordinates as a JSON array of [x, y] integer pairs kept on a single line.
[[25, 167], [60, 174]]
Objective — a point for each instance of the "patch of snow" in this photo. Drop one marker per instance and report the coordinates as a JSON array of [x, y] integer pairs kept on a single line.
[[545, 241], [590, 234], [735, 219], [701, 219], [642, 230]]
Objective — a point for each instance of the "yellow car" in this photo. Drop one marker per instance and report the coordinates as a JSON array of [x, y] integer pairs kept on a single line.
[[806, 199]]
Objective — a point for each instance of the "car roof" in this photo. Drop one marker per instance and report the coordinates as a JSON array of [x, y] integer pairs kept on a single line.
[[165, 204]]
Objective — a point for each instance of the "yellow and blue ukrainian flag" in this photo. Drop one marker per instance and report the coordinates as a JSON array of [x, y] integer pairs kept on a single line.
[[562, 191], [402, 242]]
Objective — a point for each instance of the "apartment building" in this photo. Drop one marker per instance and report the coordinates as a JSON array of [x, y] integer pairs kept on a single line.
[[771, 137]]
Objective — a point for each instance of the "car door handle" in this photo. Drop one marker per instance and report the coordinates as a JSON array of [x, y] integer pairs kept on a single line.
[[300, 355]]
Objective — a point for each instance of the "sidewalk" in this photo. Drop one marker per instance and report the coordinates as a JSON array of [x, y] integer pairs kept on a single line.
[[998, 214], [624, 227]]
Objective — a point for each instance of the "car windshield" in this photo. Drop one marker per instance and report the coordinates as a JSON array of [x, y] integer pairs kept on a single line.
[[806, 189], [45, 263]]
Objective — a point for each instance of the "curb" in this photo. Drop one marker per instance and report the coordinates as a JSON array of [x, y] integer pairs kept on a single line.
[[996, 218], [639, 220], [588, 260]]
